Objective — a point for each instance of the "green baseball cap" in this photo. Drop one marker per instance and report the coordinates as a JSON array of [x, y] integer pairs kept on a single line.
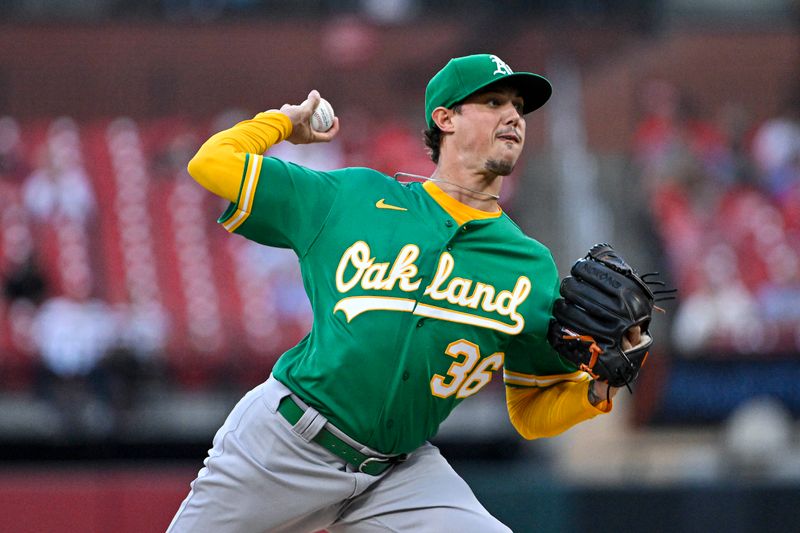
[[463, 76]]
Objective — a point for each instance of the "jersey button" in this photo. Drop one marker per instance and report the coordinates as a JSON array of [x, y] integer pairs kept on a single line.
[[464, 227], [448, 223], [449, 247], [406, 375], [421, 321]]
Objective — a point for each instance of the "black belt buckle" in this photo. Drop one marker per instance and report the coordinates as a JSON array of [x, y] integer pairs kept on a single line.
[[382, 463]]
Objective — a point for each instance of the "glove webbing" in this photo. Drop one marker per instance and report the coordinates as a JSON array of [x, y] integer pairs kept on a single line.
[[593, 348], [596, 351]]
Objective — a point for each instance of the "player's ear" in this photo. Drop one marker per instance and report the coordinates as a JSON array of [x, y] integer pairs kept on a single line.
[[443, 118]]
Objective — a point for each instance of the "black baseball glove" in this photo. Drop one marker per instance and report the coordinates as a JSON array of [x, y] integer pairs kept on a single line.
[[603, 299]]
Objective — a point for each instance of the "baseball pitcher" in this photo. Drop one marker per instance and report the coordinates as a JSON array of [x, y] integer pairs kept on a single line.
[[420, 292]]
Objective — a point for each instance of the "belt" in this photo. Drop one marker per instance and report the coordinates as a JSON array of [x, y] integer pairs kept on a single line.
[[363, 463]]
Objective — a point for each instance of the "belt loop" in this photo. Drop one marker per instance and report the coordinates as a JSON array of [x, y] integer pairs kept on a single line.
[[309, 424]]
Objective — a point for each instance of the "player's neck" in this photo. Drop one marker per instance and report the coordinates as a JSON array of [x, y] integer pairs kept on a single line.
[[472, 189]]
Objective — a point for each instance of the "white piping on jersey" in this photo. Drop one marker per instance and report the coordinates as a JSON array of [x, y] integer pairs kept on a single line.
[[355, 305], [244, 201], [441, 313], [532, 380]]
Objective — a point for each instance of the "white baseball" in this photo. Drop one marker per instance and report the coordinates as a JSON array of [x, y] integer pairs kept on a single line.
[[322, 119]]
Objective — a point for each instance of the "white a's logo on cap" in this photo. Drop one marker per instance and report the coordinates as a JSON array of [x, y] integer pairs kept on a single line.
[[502, 68]]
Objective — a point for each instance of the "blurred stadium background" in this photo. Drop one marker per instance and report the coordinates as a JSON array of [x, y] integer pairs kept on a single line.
[[130, 323]]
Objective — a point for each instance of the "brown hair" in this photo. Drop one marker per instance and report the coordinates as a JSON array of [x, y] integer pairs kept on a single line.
[[433, 138]]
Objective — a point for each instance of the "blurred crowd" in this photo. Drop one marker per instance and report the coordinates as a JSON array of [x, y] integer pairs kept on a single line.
[[725, 201], [116, 278]]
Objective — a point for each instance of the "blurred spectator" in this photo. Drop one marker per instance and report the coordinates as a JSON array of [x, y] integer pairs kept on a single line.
[[59, 186], [280, 294], [672, 147], [677, 205], [733, 164], [116, 385], [142, 330], [135, 358], [776, 149], [172, 158], [13, 168], [720, 308], [671, 133], [16, 241], [72, 333], [25, 281]]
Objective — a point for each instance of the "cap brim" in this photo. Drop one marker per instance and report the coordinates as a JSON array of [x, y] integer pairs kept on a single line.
[[534, 89]]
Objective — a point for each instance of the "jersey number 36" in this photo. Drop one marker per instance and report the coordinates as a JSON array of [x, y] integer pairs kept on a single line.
[[468, 373]]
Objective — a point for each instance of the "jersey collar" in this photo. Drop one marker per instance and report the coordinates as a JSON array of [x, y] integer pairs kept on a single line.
[[460, 212]]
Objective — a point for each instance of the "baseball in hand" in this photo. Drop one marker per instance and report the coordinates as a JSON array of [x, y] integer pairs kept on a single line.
[[322, 119]]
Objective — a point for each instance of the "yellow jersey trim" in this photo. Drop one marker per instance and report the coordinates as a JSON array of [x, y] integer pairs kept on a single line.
[[247, 193], [460, 212], [532, 380]]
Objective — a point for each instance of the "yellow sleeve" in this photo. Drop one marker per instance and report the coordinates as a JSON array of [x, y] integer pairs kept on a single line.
[[219, 163], [544, 412]]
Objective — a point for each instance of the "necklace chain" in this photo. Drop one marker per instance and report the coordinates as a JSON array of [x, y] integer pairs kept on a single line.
[[440, 180]]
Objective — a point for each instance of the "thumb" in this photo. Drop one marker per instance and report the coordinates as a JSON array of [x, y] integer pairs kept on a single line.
[[311, 102]]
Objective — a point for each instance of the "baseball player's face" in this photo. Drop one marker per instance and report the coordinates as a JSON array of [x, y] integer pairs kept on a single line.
[[490, 130]]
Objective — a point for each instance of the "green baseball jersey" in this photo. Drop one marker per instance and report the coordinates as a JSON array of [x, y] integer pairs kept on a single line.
[[413, 312]]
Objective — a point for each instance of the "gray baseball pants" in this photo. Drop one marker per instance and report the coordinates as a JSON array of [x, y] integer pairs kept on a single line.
[[264, 474]]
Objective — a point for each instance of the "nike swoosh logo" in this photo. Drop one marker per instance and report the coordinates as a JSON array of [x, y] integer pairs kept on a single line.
[[380, 204]]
